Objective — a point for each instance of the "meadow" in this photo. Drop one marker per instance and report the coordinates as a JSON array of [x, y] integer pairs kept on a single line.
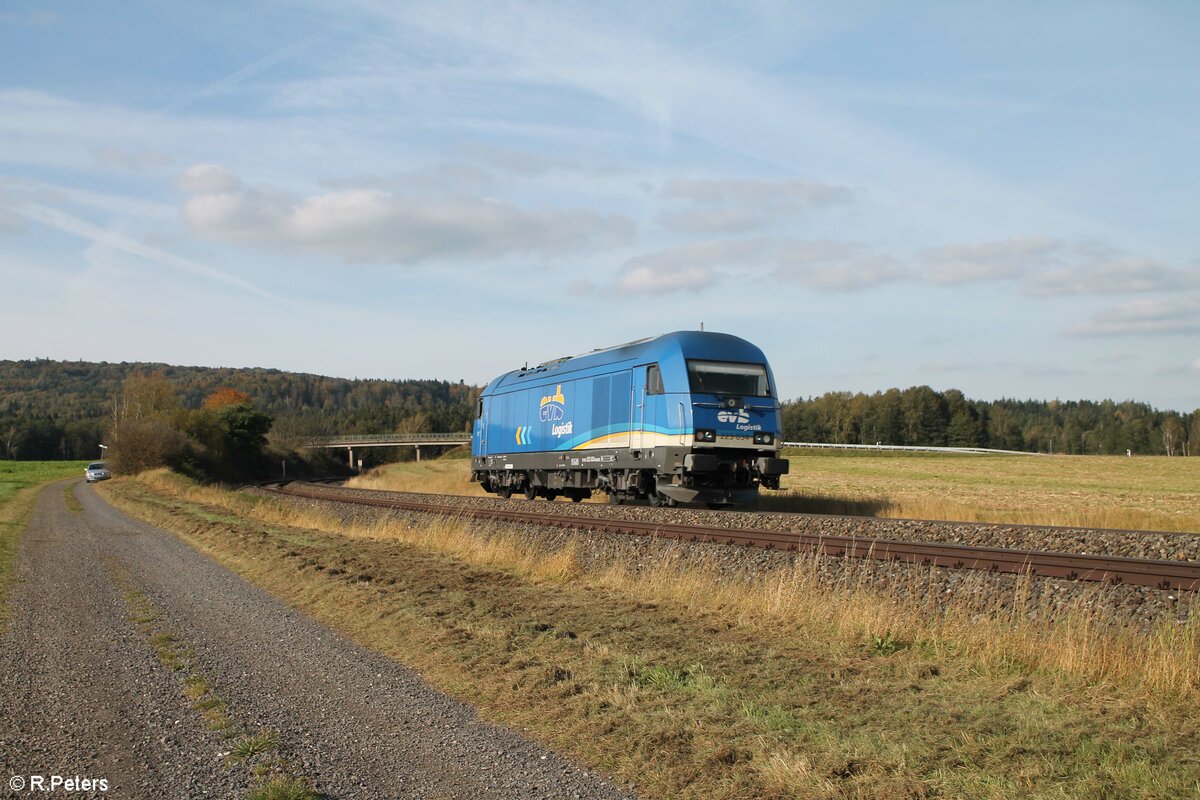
[[1142, 493]]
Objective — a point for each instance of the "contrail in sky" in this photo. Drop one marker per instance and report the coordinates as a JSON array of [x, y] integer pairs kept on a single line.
[[67, 223], [266, 62]]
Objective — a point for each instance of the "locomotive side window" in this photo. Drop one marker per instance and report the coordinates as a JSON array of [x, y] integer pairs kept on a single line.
[[728, 377], [654, 384]]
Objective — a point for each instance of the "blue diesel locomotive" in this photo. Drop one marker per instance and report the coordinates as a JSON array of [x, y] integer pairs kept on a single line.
[[684, 417]]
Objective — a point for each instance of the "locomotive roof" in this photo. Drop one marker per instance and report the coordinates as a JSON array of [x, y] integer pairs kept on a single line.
[[679, 344]]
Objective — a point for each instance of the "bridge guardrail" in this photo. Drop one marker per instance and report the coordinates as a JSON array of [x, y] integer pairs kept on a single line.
[[387, 438]]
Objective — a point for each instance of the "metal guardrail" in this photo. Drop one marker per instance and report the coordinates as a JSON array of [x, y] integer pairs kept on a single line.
[[414, 439], [910, 448], [389, 439]]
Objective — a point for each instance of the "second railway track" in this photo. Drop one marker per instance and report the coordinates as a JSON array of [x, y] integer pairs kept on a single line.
[[1111, 569]]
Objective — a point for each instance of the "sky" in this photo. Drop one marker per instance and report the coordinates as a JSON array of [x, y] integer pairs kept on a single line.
[[994, 197]]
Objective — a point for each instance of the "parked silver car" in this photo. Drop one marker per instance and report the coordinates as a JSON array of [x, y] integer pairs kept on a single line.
[[96, 471]]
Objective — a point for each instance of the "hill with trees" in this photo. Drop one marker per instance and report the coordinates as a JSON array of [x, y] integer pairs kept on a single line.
[[922, 416], [61, 409]]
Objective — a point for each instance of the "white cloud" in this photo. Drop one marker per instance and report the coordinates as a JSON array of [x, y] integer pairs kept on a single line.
[[822, 265], [689, 267], [778, 195], [445, 178], [208, 179], [734, 206], [1125, 275], [1196, 365], [132, 160], [710, 221], [988, 261], [372, 225], [853, 275], [517, 162], [836, 266], [1170, 315], [666, 280], [10, 221]]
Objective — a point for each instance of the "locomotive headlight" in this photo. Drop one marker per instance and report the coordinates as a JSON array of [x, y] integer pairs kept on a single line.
[[705, 436], [763, 438]]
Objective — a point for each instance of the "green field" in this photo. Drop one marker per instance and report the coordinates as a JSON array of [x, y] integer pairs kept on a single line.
[[18, 487]]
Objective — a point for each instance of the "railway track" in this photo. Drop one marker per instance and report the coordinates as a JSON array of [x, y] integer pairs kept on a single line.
[[1159, 574]]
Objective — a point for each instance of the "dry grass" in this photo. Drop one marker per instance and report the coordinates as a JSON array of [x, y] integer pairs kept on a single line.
[[697, 685], [1163, 664], [1143, 493], [439, 476], [70, 500]]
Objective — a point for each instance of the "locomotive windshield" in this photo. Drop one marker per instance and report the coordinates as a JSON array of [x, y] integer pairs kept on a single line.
[[727, 377]]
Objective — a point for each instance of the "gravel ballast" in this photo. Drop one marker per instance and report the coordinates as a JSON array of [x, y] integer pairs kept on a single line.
[[974, 591], [83, 693], [1133, 544]]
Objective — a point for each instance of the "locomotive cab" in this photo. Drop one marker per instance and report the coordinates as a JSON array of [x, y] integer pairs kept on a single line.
[[735, 435]]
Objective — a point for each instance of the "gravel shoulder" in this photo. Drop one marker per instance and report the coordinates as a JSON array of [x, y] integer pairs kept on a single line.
[[978, 592], [83, 693], [1131, 543]]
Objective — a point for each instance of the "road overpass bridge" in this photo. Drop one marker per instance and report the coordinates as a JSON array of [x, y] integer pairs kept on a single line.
[[417, 440]]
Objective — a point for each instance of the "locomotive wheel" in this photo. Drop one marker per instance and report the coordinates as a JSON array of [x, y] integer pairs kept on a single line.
[[576, 498], [615, 499], [505, 492], [531, 492], [655, 499], [551, 496]]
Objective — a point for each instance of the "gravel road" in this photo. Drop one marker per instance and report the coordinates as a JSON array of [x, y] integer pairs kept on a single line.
[[82, 693]]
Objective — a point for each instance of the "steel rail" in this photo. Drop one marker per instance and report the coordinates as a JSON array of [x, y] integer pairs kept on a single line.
[[1160, 574]]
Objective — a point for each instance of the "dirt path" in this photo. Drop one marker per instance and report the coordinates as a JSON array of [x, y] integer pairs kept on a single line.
[[82, 693]]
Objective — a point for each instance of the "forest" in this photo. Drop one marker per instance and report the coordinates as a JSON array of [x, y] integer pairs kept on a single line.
[[922, 416], [61, 409]]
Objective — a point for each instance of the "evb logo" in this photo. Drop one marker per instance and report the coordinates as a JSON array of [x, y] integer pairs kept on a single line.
[[552, 406], [733, 416]]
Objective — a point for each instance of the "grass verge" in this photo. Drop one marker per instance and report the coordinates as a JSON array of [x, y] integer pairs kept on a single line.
[[70, 500], [696, 685], [434, 476], [20, 482]]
